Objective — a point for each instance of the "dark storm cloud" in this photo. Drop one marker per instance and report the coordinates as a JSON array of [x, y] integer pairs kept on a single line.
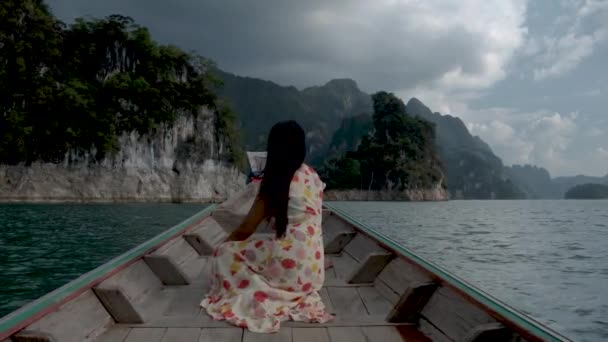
[[382, 44]]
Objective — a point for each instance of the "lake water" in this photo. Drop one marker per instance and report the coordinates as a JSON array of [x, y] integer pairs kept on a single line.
[[548, 259], [45, 246]]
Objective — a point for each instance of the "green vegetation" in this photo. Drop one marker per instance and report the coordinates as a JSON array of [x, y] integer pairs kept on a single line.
[[472, 170], [588, 191], [260, 104], [77, 88], [397, 154]]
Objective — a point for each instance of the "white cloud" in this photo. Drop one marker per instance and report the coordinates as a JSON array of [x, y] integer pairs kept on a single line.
[[590, 92], [602, 153], [565, 53], [557, 141], [575, 36], [591, 7]]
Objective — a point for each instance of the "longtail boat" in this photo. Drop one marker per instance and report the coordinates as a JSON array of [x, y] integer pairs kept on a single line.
[[377, 289]]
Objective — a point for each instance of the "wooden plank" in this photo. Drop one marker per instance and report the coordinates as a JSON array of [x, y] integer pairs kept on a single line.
[[80, 319], [206, 237], [411, 303], [193, 269], [432, 332], [136, 281], [33, 336], [199, 244], [118, 305], [284, 335], [454, 315], [185, 302], [166, 270], [357, 320], [346, 334], [361, 246], [411, 333], [177, 250], [204, 321], [329, 307], [337, 233], [384, 334], [310, 334], [399, 275], [346, 300], [386, 291], [114, 334], [337, 242], [155, 305], [145, 335], [344, 265], [369, 269], [182, 335], [221, 334], [330, 273], [373, 301], [489, 332]]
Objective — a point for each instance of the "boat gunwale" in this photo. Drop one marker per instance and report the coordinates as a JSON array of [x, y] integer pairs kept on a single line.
[[50, 302], [526, 326]]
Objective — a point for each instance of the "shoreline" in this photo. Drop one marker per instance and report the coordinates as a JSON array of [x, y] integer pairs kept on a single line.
[[437, 194], [71, 200]]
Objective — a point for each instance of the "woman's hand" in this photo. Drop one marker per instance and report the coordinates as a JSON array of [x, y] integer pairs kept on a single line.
[[250, 223], [238, 235]]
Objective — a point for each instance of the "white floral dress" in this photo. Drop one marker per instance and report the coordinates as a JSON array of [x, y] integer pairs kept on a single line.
[[257, 283]]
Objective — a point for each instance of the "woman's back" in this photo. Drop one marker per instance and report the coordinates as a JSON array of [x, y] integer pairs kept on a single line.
[[305, 196], [261, 281]]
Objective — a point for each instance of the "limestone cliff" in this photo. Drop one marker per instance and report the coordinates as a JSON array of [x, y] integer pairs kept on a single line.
[[177, 163]]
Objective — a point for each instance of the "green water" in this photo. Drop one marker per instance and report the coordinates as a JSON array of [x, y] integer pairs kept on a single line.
[[45, 246]]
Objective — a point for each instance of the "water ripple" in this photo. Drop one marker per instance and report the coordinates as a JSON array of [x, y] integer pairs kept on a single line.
[[546, 258], [45, 246]]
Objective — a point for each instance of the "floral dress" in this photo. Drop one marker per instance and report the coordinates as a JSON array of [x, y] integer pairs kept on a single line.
[[259, 282]]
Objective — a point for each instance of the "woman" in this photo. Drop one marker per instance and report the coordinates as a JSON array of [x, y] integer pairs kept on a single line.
[[257, 283]]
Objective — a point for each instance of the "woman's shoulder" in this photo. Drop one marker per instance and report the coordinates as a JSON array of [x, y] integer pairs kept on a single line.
[[308, 170], [310, 176]]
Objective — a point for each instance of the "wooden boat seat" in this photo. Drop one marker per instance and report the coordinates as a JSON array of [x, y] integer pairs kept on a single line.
[[377, 293]]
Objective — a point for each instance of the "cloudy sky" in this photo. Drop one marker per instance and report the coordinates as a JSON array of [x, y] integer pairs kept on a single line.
[[529, 77]]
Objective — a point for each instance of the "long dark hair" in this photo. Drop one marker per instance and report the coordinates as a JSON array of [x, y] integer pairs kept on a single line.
[[285, 154]]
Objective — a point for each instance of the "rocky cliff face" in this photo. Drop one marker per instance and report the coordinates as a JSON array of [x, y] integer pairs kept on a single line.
[[178, 163]]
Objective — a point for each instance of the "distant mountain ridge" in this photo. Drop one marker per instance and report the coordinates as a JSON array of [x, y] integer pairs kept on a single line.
[[588, 191], [537, 183], [337, 115], [320, 109], [473, 170]]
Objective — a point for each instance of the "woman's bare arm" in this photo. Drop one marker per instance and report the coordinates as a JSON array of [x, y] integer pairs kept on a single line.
[[251, 222]]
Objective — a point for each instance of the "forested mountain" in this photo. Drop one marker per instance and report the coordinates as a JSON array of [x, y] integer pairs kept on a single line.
[[70, 91], [320, 110], [471, 168], [588, 191], [397, 154], [563, 184], [73, 89], [536, 182]]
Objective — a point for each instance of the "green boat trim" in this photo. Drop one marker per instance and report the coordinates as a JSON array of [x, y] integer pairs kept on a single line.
[[20, 318], [510, 316]]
